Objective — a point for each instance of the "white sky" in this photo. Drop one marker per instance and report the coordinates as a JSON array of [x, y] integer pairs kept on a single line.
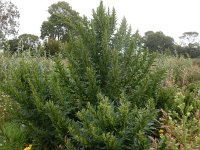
[[173, 17]]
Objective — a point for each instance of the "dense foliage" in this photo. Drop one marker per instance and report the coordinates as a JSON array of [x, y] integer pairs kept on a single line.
[[9, 15], [24, 42], [60, 23], [157, 41], [100, 90]]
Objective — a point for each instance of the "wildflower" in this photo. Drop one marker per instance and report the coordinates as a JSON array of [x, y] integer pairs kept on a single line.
[[29, 147], [161, 131]]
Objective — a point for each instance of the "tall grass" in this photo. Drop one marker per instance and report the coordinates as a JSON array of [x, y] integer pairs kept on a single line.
[[179, 71]]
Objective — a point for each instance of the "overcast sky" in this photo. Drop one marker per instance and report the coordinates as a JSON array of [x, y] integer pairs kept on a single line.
[[173, 17]]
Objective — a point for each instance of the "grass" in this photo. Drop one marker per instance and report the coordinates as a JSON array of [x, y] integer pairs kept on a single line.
[[180, 71], [196, 62]]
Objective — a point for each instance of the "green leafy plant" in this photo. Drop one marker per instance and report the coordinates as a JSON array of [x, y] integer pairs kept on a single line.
[[21, 81], [107, 126], [12, 136], [181, 125], [52, 47], [96, 65], [50, 92]]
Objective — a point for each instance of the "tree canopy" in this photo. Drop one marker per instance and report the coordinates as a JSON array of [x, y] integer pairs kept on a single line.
[[60, 23], [29, 41], [190, 39], [9, 15], [24, 42], [157, 41]]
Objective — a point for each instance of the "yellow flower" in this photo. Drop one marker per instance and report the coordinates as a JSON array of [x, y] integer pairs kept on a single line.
[[29, 147], [161, 131]]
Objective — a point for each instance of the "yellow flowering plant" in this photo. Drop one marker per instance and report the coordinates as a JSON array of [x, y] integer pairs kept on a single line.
[[29, 147]]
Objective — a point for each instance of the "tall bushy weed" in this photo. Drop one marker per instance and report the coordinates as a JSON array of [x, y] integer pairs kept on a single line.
[[56, 96]]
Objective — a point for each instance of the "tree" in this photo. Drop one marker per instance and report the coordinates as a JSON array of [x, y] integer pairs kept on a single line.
[[188, 51], [29, 41], [190, 39], [60, 23], [24, 42], [13, 45], [8, 18], [189, 45], [157, 41]]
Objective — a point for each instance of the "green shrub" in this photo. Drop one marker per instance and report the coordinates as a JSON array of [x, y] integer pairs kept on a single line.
[[52, 47], [12, 136], [19, 79], [181, 125], [112, 127], [6, 107], [50, 93], [97, 66], [166, 98]]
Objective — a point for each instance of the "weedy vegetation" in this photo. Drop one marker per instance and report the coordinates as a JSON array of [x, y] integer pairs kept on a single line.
[[102, 90]]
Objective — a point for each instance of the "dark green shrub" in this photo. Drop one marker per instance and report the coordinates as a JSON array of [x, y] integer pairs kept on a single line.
[[52, 47], [50, 93], [166, 98], [27, 83], [112, 127], [96, 66]]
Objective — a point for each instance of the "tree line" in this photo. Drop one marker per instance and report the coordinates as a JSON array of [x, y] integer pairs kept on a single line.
[[61, 26]]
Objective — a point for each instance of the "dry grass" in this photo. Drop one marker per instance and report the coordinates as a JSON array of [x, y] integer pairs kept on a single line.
[[196, 62], [180, 71]]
